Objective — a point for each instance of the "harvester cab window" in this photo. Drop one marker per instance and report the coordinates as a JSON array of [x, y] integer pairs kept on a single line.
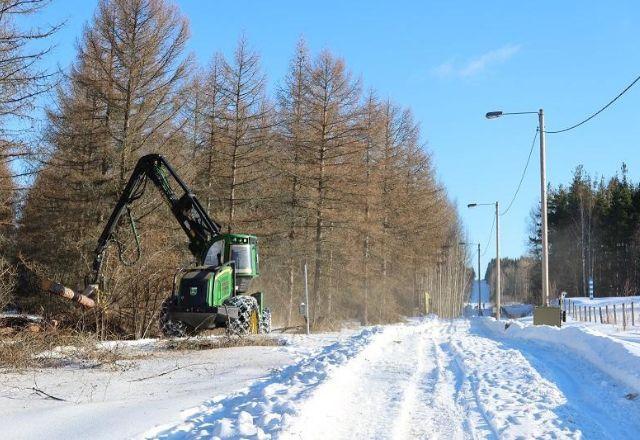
[[241, 254], [215, 255]]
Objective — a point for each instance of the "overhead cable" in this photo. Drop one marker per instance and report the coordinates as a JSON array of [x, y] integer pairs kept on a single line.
[[524, 172], [626, 89]]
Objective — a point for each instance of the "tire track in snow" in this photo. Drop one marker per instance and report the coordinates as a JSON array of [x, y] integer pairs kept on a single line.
[[411, 398], [476, 424], [409, 390], [431, 409], [362, 400], [516, 401]]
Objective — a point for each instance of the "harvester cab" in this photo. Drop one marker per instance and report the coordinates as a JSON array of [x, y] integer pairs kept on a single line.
[[242, 249], [213, 293]]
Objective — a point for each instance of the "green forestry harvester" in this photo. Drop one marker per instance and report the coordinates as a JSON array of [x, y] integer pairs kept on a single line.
[[213, 293]]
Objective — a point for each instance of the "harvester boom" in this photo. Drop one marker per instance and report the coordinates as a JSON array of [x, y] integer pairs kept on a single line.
[[185, 206]]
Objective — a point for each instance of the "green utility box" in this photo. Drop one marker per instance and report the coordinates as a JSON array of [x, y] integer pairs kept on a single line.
[[547, 316]]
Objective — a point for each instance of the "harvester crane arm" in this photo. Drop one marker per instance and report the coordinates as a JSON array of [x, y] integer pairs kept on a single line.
[[207, 295], [184, 205]]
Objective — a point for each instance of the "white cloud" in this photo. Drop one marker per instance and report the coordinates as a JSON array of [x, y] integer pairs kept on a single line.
[[478, 64], [445, 69]]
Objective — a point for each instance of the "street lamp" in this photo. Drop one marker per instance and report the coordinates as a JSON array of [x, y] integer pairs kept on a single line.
[[543, 197], [498, 289], [479, 285]]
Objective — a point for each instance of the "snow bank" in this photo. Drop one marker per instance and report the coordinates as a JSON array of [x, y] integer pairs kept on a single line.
[[585, 301], [264, 408], [619, 360]]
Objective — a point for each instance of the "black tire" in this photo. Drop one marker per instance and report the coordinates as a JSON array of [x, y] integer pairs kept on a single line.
[[265, 321], [168, 327], [248, 321]]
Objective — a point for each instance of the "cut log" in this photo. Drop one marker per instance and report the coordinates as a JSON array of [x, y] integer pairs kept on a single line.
[[64, 292]]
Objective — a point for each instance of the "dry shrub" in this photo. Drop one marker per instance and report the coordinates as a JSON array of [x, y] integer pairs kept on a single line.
[[56, 348], [328, 324], [210, 343], [324, 324], [7, 282]]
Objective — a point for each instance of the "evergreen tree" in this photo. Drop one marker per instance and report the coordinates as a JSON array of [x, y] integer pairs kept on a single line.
[[593, 234]]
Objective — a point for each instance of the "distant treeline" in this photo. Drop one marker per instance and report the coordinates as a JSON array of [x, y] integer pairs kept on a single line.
[[516, 275], [594, 233]]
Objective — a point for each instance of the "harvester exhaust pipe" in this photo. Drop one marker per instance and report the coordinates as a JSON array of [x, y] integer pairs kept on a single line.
[[66, 293]]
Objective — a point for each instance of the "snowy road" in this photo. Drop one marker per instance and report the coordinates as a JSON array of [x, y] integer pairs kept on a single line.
[[424, 379], [408, 385], [432, 379]]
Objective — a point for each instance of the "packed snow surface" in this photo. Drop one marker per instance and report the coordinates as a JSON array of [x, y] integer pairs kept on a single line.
[[425, 379]]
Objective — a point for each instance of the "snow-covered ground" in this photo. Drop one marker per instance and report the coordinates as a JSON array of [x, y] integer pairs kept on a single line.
[[427, 378], [622, 313], [585, 301], [430, 379], [153, 387]]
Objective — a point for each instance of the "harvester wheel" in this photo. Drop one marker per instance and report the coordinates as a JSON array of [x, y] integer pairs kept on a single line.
[[248, 321], [168, 327], [265, 321]]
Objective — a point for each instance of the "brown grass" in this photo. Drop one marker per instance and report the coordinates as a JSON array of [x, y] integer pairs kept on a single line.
[[212, 343], [56, 348]]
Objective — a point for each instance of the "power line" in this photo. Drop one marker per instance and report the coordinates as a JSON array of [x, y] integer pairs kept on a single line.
[[493, 224], [524, 171], [598, 112]]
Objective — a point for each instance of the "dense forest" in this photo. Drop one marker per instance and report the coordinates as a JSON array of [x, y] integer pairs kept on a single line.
[[323, 171], [594, 233]]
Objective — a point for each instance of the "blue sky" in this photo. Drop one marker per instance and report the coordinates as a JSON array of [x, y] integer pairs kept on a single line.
[[451, 62]]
